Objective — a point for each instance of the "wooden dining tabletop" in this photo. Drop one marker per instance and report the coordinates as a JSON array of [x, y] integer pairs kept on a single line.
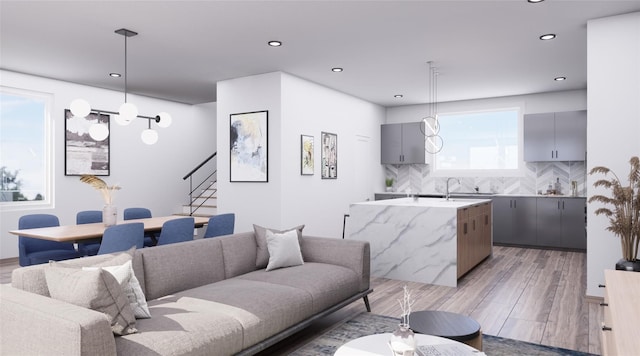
[[75, 233]]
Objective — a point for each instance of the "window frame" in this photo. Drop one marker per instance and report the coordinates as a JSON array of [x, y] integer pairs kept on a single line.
[[48, 146], [517, 172]]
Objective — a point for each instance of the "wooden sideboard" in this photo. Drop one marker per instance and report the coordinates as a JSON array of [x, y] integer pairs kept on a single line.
[[621, 313]]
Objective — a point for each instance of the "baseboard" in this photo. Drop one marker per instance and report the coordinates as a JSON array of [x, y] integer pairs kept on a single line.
[[8, 261]]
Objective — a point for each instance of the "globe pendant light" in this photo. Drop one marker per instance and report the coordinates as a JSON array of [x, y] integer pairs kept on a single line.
[[433, 141], [127, 111]]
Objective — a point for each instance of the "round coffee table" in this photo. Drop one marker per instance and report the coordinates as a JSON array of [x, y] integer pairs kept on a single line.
[[377, 344], [452, 326]]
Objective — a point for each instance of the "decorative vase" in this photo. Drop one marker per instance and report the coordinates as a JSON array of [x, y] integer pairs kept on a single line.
[[624, 265], [389, 189], [403, 342], [109, 215]]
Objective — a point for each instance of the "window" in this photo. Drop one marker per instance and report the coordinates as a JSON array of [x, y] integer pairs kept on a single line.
[[25, 152], [480, 143]]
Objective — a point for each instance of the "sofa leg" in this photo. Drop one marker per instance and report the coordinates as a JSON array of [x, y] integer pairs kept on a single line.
[[366, 303]]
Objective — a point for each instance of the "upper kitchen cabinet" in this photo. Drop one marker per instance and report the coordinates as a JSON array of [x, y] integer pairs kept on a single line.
[[560, 136], [402, 143]]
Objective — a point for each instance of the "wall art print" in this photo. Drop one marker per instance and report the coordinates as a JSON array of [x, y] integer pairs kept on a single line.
[[329, 155], [249, 147], [83, 154], [306, 155]]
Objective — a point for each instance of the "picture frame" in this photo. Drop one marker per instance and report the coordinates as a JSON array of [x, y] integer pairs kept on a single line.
[[329, 169], [83, 154], [249, 144], [307, 156]]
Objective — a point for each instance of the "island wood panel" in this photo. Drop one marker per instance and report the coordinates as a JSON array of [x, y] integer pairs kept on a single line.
[[474, 240]]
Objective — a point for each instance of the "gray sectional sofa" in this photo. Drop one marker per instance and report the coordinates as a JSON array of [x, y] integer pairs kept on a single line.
[[206, 297]]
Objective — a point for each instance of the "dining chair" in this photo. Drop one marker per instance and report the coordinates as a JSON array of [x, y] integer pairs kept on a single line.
[[150, 238], [176, 230], [32, 251], [117, 238], [88, 217], [220, 225]]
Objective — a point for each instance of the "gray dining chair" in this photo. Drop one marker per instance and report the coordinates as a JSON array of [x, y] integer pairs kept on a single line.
[[117, 238]]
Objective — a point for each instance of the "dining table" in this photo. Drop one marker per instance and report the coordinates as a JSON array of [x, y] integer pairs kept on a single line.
[[87, 232]]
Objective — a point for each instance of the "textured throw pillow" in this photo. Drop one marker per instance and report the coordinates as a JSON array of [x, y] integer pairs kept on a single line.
[[97, 290], [131, 286], [262, 258], [284, 250]]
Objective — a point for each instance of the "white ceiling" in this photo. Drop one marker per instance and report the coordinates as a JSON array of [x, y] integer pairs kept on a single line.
[[481, 48]]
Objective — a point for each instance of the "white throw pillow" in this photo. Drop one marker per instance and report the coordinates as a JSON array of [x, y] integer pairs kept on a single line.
[[131, 286], [284, 250]]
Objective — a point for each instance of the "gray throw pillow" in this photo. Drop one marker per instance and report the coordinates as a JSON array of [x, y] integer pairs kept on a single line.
[[284, 250], [262, 257], [97, 290]]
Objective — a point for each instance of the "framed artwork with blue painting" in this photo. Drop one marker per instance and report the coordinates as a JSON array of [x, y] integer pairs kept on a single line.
[[249, 147]]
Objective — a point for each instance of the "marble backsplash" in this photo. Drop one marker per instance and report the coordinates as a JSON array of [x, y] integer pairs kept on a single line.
[[538, 175]]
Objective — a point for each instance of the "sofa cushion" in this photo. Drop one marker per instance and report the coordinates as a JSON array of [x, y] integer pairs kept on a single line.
[[284, 250], [95, 289], [326, 284], [239, 252], [263, 309], [183, 327], [181, 266], [262, 257]]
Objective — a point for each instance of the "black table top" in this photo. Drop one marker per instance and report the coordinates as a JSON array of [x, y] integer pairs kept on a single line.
[[453, 326]]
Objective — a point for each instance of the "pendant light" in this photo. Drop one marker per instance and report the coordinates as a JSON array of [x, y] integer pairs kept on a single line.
[[127, 111], [433, 141]]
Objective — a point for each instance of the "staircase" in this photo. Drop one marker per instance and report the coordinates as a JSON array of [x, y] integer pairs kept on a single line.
[[203, 198]]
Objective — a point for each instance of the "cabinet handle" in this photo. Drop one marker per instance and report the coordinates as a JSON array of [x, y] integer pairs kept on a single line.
[[551, 153], [601, 286], [486, 219], [474, 224], [604, 304], [563, 205], [510, 203], [558, 204], [465, 228], [556, 153], [515, 204], [605, 328]]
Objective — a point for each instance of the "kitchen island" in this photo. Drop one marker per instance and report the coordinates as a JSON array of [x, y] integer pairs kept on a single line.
[[426, 240]]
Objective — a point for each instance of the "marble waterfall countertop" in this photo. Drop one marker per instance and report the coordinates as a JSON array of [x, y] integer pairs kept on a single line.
[[410, 240]]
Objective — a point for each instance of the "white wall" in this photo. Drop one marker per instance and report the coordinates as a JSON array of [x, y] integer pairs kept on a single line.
[[532, 103], [150, 176], [613, 131], [299, 107]]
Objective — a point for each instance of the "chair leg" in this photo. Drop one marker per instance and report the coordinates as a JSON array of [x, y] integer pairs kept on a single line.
[[366, 303]]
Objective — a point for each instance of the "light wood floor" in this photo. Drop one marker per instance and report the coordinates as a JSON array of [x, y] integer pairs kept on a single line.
[[525, 294]]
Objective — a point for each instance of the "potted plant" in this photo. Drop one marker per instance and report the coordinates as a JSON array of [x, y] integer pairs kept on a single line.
[[388, 182], [623, 210]]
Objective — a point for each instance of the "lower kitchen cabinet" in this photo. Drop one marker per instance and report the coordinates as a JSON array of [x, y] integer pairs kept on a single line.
[[561, 222], [474, 236], [514, 220]]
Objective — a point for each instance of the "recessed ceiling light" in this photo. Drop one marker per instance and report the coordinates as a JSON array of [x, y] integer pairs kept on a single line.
[[559, 79], [548, 36], [535, 1], [274, 43], [115, 75], [337, 69], [398, 96]]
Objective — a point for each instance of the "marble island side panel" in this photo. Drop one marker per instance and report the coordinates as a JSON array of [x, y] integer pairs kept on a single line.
[[408, 242]]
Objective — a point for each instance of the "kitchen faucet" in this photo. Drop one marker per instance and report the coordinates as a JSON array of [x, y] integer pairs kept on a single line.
[[447, 193]]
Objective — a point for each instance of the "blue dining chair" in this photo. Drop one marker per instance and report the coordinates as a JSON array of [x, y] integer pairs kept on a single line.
[[117, 238], [32, 251], [88, 217], [220, 225], [150, 239], [176, 230]]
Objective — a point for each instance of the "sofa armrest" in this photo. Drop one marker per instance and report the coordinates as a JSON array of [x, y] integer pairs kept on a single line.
[[351, 254], [37, 325]]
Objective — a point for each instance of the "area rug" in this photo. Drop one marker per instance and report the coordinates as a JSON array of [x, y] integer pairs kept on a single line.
[[368, 324]]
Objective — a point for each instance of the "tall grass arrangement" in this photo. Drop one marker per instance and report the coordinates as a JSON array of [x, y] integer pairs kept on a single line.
[[622, 207], [107, 191]]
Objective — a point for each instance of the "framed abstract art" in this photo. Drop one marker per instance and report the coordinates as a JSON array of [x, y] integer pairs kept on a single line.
[[306, 155], [83, 154], [249, 147], [329, 167]]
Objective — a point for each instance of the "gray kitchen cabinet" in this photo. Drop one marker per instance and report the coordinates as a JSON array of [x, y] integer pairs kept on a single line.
[[561, 223], [514, 220], [560, 136], [402, 143]]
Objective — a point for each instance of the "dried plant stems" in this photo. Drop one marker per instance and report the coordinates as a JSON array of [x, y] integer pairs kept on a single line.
[[101, 185], [622, 208], [405, 305]]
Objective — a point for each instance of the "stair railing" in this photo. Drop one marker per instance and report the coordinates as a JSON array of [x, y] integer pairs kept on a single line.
[[192, 189]]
